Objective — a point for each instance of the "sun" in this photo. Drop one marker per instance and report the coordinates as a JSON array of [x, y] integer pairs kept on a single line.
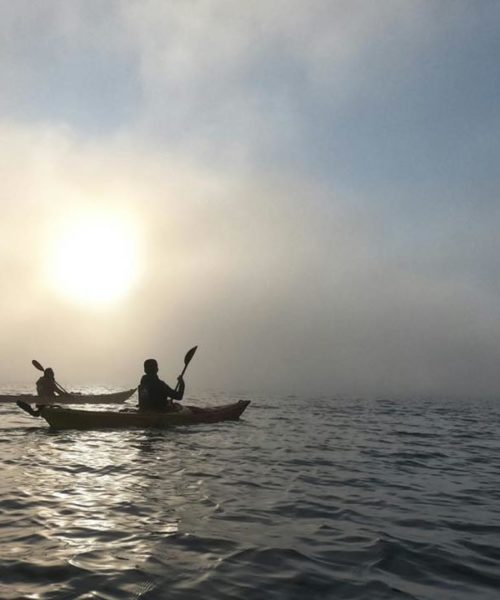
[[95, 260]]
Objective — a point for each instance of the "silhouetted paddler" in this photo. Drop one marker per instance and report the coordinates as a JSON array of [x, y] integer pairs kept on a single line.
[[155, 394], [46, 387]]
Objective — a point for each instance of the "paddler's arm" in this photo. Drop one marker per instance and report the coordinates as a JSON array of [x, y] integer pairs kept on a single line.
[[176, 394], [59, 391]]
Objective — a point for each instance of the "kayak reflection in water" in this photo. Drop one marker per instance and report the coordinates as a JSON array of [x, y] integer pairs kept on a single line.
[[155, 394], [46, 387]]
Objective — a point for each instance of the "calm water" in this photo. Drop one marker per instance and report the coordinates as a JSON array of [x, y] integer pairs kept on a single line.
[[303, 498]]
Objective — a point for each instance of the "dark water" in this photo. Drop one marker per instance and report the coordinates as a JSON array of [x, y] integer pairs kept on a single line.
[[303, 498]]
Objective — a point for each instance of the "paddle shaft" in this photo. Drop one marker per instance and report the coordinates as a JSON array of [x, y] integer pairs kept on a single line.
[[183, 371]]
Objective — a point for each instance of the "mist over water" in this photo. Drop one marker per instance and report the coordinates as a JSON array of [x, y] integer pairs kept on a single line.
[[303, 497]]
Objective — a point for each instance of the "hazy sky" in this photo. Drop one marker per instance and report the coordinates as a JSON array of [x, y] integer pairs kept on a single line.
[[307, 189]]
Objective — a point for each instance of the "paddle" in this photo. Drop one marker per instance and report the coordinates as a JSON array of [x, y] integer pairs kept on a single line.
[[38, 366], [187, 360]]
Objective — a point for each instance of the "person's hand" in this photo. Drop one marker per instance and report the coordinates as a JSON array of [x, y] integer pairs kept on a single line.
[[180, 379]]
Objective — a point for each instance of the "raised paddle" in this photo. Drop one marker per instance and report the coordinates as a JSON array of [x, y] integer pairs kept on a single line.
[[187, 360], [38, 366]]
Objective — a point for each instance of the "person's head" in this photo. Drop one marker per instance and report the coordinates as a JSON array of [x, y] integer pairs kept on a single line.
[[150, 366], [49, 373]]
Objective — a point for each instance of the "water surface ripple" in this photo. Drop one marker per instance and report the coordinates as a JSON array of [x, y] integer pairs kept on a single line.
[[311, 498]]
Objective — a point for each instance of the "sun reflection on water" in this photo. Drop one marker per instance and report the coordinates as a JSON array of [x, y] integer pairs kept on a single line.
[[99, 507]]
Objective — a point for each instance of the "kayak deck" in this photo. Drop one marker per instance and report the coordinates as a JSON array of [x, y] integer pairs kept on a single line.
[[67, 418], [109, 398]]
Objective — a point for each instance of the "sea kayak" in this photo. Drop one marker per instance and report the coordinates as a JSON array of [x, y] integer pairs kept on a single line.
[[68, 418], [111, 398]]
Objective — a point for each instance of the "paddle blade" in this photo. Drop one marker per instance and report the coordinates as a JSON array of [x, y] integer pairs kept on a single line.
[[189, 355], [37, 365]]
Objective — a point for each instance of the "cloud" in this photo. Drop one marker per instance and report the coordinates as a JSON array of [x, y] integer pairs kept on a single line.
[[259, 73], [67, 63], [210, 77]]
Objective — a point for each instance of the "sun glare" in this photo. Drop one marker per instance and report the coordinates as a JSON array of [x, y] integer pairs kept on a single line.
[[95, 261]]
